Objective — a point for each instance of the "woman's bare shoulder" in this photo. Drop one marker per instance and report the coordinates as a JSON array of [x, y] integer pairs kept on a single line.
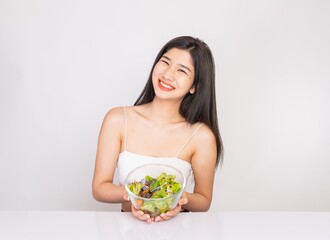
[[205, 147], [115, 115], [204, 134]]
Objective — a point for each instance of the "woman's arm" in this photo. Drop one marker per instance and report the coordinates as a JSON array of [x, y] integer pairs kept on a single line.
[[108, 149], [203, 164]]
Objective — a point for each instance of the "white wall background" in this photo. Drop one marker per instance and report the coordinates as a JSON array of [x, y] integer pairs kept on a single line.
[[64, 64]]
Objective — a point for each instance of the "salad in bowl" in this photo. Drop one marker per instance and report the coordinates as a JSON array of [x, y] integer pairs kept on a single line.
[[155, 188]]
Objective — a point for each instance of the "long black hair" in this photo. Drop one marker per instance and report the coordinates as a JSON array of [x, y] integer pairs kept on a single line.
[[200, 106]]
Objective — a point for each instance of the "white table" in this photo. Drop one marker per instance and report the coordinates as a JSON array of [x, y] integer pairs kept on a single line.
[[81, 225]]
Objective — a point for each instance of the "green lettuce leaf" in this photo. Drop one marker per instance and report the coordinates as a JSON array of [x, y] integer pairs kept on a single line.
[[135, 187]]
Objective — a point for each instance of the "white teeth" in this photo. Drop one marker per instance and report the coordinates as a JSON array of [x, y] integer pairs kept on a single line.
[[165, 85]]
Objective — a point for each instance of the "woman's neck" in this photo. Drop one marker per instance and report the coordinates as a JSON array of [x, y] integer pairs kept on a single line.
[[164, 112]]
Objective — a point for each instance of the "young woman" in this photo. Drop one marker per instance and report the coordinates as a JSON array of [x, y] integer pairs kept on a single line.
[[174, 121]]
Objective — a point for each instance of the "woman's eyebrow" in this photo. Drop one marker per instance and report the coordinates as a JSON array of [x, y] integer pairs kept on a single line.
[[167, 58]]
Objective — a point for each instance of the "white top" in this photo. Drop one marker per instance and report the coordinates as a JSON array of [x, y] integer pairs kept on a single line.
[[127, 161]]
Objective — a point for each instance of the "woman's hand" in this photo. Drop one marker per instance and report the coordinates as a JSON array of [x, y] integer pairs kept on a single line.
[[172, 213], [141, 215], [138, 213], [164, 216]]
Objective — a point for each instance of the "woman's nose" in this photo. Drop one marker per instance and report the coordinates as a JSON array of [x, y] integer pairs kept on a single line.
[[169, 74]]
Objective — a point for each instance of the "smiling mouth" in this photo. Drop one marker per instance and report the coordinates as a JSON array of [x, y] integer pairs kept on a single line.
[[165, 86]]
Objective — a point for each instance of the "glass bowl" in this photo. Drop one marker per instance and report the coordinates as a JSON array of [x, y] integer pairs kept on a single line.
[[161, 204]]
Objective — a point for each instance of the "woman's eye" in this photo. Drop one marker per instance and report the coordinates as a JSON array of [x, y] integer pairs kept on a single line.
[[183, 71]]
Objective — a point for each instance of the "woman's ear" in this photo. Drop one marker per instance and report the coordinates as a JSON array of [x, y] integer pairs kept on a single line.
[[192, 90]]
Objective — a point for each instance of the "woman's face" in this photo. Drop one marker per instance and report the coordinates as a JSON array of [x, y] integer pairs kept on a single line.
[[173, 75]]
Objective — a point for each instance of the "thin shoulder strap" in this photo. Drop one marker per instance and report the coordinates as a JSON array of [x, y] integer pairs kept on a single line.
[[125, 130], [188, 139]]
